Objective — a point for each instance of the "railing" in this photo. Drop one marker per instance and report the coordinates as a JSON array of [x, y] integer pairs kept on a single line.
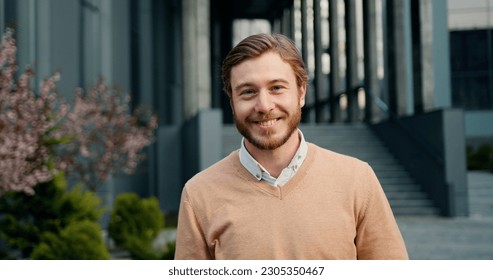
[[423, 143]]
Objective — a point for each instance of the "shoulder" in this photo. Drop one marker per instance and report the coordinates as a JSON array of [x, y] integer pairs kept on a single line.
[[214, 187], [215, 175], [341, 162], [347, 175], [342, 170]]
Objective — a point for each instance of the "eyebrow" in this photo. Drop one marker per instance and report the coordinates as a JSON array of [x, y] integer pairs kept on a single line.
[[242, 85], [247, 84], [279, 81]]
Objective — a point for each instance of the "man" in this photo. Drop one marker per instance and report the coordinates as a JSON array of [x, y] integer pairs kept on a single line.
[[279, 197]]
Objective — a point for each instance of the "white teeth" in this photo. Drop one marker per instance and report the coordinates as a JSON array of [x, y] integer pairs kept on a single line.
[[267, 123]]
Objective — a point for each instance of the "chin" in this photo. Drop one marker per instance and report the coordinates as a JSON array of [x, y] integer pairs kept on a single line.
[[268, 141]]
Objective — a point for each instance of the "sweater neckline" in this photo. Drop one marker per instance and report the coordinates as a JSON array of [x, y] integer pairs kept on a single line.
[[279, 192]]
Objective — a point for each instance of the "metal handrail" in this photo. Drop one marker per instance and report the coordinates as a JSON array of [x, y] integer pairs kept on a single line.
[[424, 145]]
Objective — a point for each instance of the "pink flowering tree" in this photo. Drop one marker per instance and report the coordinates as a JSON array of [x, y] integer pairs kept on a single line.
[[28, 125], [105, 138], [41, 134]]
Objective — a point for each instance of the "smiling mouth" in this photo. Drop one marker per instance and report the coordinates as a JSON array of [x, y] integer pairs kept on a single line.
[[267, 123]]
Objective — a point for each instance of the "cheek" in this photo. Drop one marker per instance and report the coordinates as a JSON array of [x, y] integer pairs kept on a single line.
[[238, 108]]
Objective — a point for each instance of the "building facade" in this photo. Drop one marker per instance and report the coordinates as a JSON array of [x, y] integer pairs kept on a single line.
[[368, 61], [471, 50]]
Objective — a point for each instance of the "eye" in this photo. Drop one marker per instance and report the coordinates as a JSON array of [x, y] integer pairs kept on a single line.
[[247, 92], [277, 88]]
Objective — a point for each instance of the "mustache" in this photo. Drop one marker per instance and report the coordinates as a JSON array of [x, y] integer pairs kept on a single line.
[[265, 117]]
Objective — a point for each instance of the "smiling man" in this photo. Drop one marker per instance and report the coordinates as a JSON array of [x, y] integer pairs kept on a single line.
[[278, 196]]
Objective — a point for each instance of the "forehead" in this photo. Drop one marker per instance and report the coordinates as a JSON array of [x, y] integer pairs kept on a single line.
[[268, 66]]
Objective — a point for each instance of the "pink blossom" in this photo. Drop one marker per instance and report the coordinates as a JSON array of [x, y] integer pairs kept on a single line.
[[41, 135]]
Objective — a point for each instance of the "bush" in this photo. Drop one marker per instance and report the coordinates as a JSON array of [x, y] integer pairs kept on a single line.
[[170, 251], [77, 241], [134, 225], [480, 159], [26, 219]]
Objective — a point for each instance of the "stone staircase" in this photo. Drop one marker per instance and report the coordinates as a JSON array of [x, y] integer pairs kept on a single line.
[[405, 196], [461, 238]]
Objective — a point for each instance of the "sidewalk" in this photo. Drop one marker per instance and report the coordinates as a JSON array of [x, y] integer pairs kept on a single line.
[[471, 238]]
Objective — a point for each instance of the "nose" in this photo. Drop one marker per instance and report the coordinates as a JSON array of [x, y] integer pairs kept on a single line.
[[265, 102]]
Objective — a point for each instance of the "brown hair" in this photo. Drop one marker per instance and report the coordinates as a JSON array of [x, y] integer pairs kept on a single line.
[[256, 45]]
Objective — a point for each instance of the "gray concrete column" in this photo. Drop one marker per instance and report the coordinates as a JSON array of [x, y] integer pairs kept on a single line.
[[292, 22], [455, 162], [427, 71], [318, 60], [94, 17], [65, 46], [431, 55], [372, 85], [397, 75], [34, 37], [45, 40], [432, 60], [216, 84], [2, 15], [115, 44], [114, 65], [196, 56], [441, 56], [334, 79], [143, 82], [145, 49], [351, 61], [304, 32], [286, 24], [306, 114], [276, 25]]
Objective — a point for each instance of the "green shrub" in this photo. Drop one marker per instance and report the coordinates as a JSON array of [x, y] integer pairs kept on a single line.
[[170, 251], [480, 159], [26, 219], [77, 241], [135, 223], [471, 162]]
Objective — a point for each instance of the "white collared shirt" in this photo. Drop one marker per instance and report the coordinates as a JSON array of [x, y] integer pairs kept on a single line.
[[260, 173]]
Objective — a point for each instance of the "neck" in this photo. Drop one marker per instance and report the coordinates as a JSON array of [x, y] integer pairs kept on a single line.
[[275, 160]]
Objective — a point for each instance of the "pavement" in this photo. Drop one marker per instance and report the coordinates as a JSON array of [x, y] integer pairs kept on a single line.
[[466, 238]]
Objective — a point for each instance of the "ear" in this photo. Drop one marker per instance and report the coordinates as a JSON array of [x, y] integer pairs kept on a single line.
[[302, 91], [231, 104]]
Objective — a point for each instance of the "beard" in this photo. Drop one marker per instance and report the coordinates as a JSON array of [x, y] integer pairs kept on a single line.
[[266, 140]]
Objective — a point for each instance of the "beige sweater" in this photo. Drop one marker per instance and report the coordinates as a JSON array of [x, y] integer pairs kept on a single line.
[[333, 208]]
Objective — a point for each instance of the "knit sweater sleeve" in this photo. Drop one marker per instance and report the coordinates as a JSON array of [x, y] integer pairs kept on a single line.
[[378, 236], [190, 239]]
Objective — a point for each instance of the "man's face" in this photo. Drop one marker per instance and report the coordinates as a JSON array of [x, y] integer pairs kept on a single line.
[[266, 100]]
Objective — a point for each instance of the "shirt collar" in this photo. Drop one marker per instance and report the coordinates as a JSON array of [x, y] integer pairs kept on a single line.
[[260, 173]]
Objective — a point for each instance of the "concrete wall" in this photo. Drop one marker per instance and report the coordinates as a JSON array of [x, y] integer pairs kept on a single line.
[[479, 127], [169, 171], [183, 151], [432, 147], [202, 142], [83, 40], [196, 56]]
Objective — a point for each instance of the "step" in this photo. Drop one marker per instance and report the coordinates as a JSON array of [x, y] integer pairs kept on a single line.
[[401, 187], [397, 203], [391, 174], [405, 195], [418, 211], [404, 180]]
